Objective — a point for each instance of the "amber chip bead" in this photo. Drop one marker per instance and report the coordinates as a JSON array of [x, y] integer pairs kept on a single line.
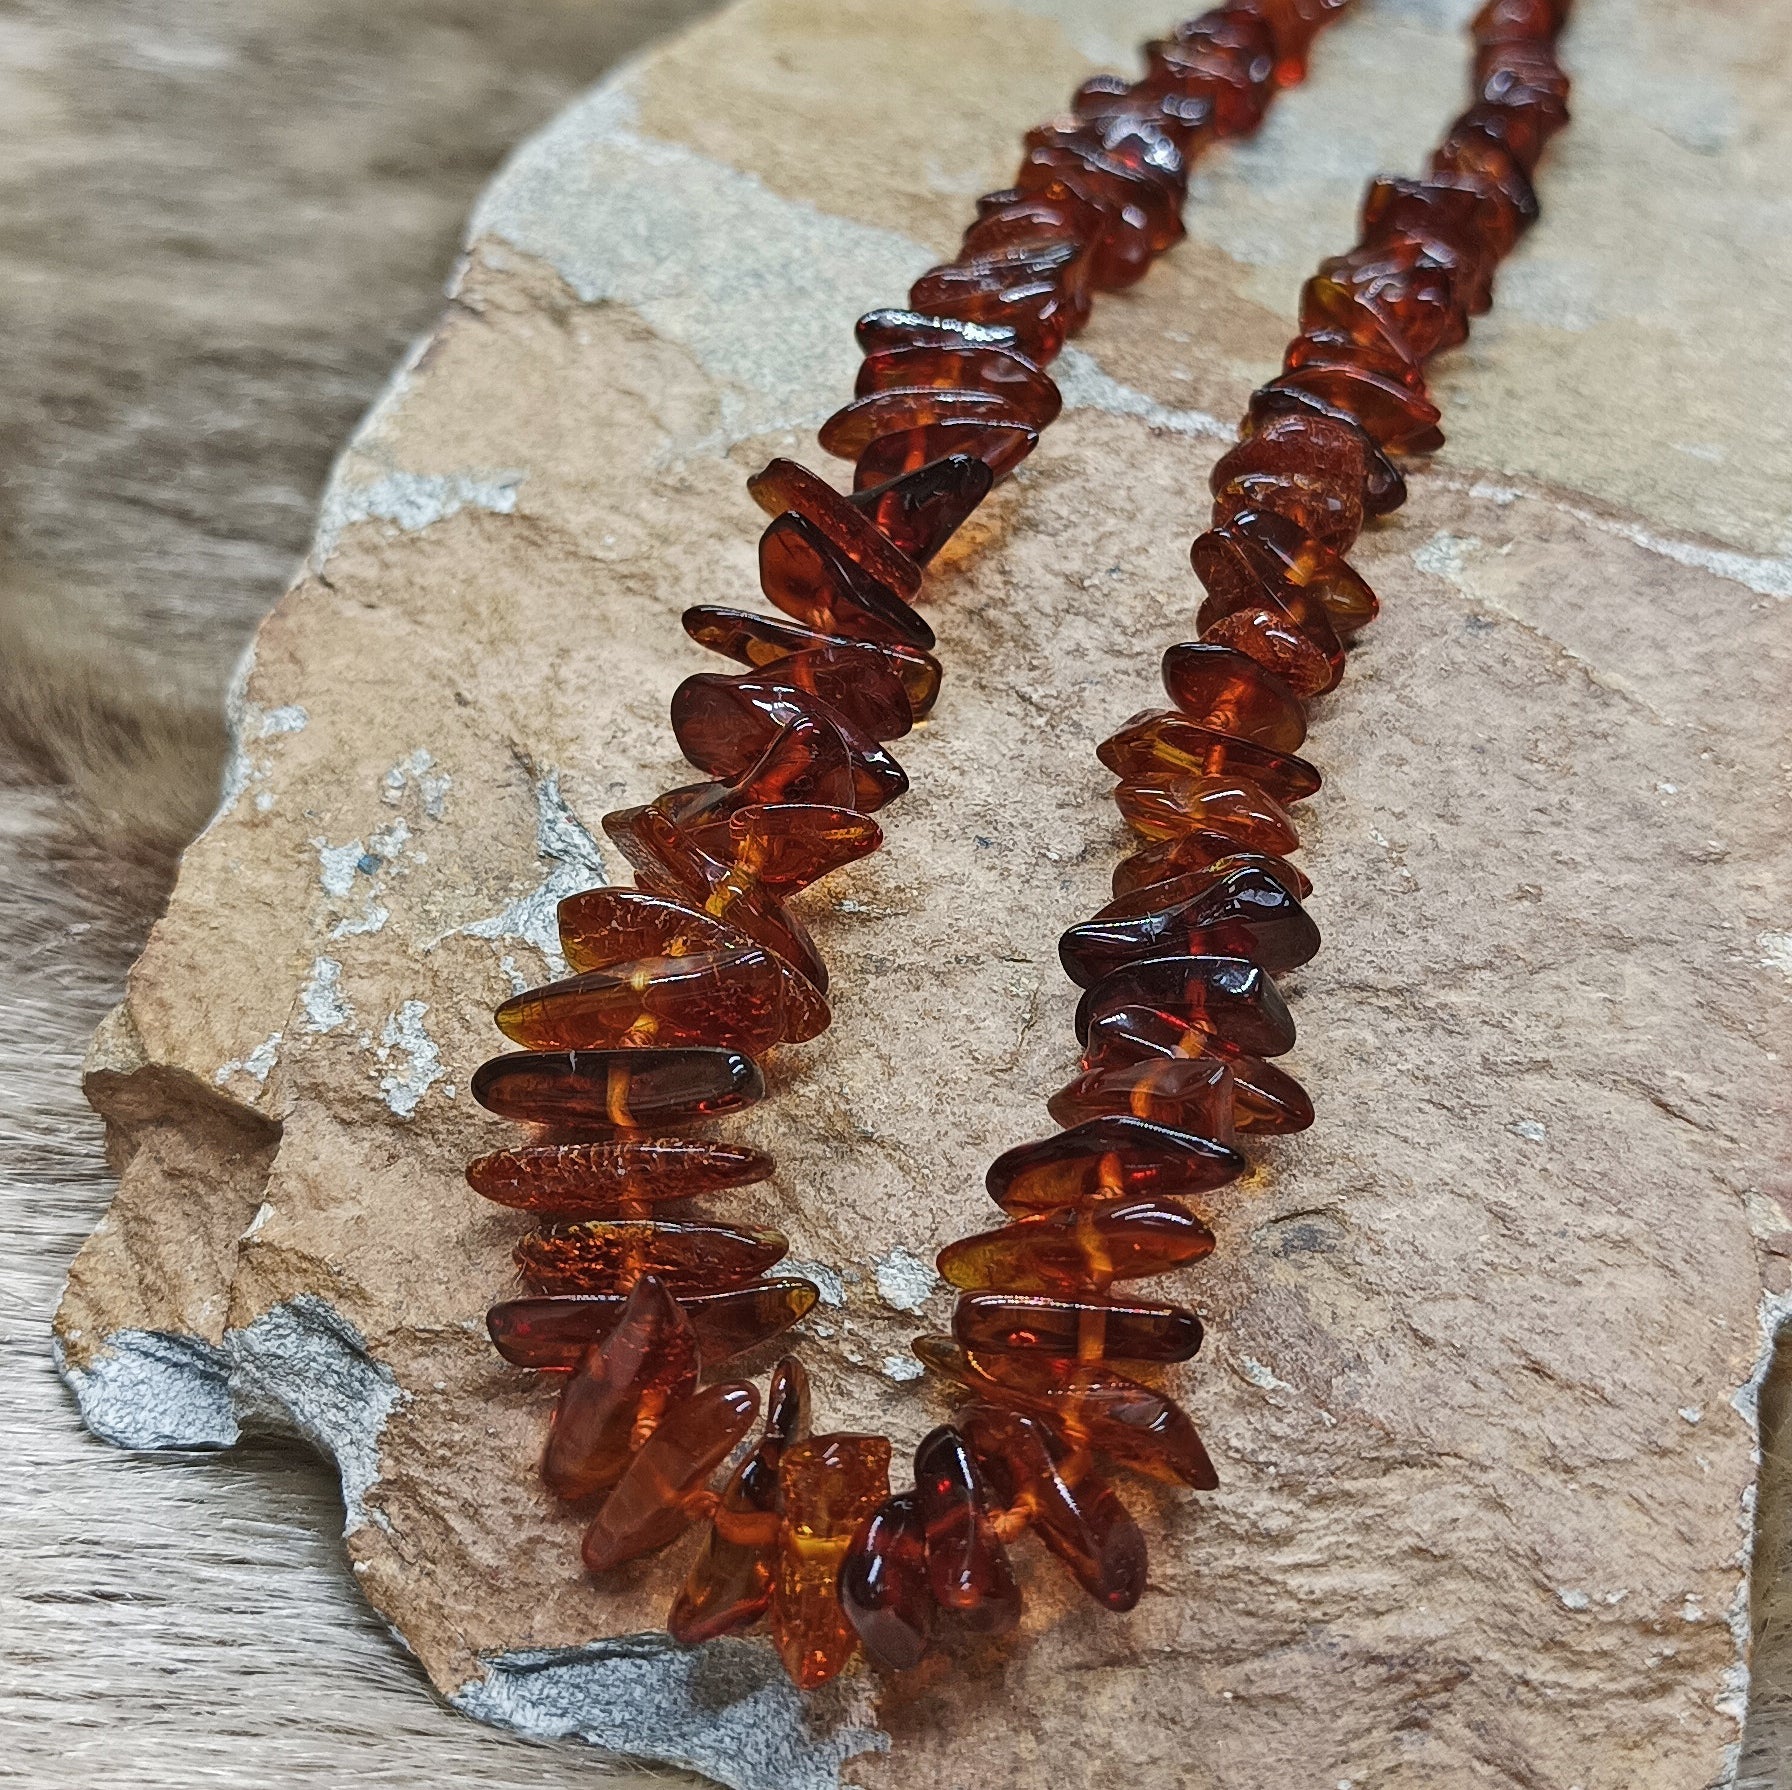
[[968, 1570], [829, 1486], [786, 846], [1075, 1252], [1106, 1160], [664, 1489], [891, 327], [852, 429], [920, 511], [618, 1391], [1162, 805], [1192, 1094], [599, 1180], [1165, 741], [809, 578], [1000, 446], [883, 1584], [784, 485], [1230, 999], [1088, 1329], [617, 1090], [964, 366], [1265, 1099], [750, 638], [1198, 854], [607, 1255]]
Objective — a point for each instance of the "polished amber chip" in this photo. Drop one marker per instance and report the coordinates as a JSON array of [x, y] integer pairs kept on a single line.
[[853, 428], [964, 366], [920, 511], [1000, 446], [784, 485], [598, 1180], [894, 328], [968, 1570], [1196, 854], [1230, 999], [1070, 1251], [617, 1090], [1155, 741], [1106, 1160], [1193, 1094], [811, 579], [600, 1255], [883, 1584], [1164, 806], [1087, 1329]]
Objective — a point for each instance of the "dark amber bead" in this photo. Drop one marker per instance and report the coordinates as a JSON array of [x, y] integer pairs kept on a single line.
[[1229, 998], [1334, 349], [1269, 635], [1166, 806], [1400, 420], [1073, 1252], [1318, 486], [665, 1487], [731, 999], [783, 485], [1184, 885], [599, 1180], [601, 927], [618, 1392], [889, 328], [1470, 154], [1105, 1160], [1087, 1329], [1088, 1402], [551, 1332], [829, 1486], [1415, 295], [1000, 447], [1384, 487], [1287, 558], [608, 1255], [1185, 1093], [1013, 219], [730, 1586], [759, 640], [920, 511], [808, 761], [883, 1584], [1160, 740], [1231, 693], [809, 578], [1074, 1511], [854, 681], [617, 1090], [1240, 575], [1198, 853], [1266, 1100], [967, 1566], [852, 429], [789, 845], [1245, 913], [962, 367], [1042, 307], [1449, 217]]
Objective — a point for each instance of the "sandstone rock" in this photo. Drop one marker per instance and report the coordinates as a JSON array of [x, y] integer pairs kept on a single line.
[[1482, 1342]]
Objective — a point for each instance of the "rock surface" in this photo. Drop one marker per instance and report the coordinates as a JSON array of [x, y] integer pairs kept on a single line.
[[1482, 1342]]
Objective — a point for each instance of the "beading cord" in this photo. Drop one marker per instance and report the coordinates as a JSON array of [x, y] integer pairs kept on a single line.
[[685, 981]]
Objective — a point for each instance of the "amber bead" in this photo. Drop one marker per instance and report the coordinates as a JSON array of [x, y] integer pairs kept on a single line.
[[617, 1090], [1066, 1503], [854, 681], [1471, 155], [1073, 1252], [1197, 854], [1001, 447], [1233, 694], [784, 485], [1266, 1099], [1106, 1160], [810, 579], [732, 999], [1239, 575], [1286, 558], [920, 511], [600, 1180], [1268, 635], [829, 1486], [1185, 1093], [1089, 1329], [1230, 999], [1184, 885], [967, 1566], [601, 927], [1384, 487], [730, 1585], [1088, 1402], [1165, 806], [618, 1391], [786, 846], [963, 367], [1277, 470], [758, 640], [1450, 218], [551, 1332], [852, 429], [601, 1255], [893, 328], [1012, 219], [665, 1488], [883, 1584], [1158, 740], [1043, 310], [1245, 913], [1414, 295], [1399, 419]]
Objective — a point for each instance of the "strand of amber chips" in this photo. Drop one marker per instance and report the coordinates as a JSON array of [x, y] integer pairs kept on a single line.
[[1180, 1017], [684, 983]]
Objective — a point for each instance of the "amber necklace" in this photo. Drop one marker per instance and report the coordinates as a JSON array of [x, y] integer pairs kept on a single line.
[[688, 979]]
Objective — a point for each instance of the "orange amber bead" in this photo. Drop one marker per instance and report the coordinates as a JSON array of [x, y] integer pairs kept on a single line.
[[852, 429], [789, 845], [1184, 885], [964, 366], [1000, 447], [1073, 1252], [1231, 693], [730, 1586], [809, 578], [1266, 633], [829, 1485], [1088, 1329], [1402, 421], [608, 1255], [1162, 806], [1265, 1098], [664, 1489], [1309, 468], [753, 639], [920, 511], [1229, 998], [883, 1584], [1166, 740], [553, 1331], [784, 485], [1384, 489], [853, 681], [598, 1180], [1075, 1512], [890, 327], [1136, 878], [1240, 575], [1192, 1094], [617, 1393], [967, 1566], [1105, 1160], [617, 1090]]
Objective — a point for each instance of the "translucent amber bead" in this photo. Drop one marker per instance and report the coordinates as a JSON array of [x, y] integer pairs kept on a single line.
[[617, 1090], [1184, 885], [1402, 421], [1000, 446], [1040, 304], [1266, 1099], [784, 485], [1074, 1252], [1075, 1512], [553, 1331], [1158, 741], [1267, 633], [853, 428], [1191, 1094], [1087, 1329], [664, 1489], [1105, 1160], [609, 1255], [1325, 304], [920, 511], [809, 578], [599, 1180], [730, 1586], [967, 1566], [883, 1584], [1231, 1000], [1307, 467], [1231, 693], [788, 845], [1197, 854], [854, 682], [894, 328], [967, 367], [1240, 578], [829, 1485], [1162, 806], [618, 1391], [1284, 554]]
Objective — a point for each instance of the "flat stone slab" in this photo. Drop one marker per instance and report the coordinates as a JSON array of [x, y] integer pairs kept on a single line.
[[1481, 1344]]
